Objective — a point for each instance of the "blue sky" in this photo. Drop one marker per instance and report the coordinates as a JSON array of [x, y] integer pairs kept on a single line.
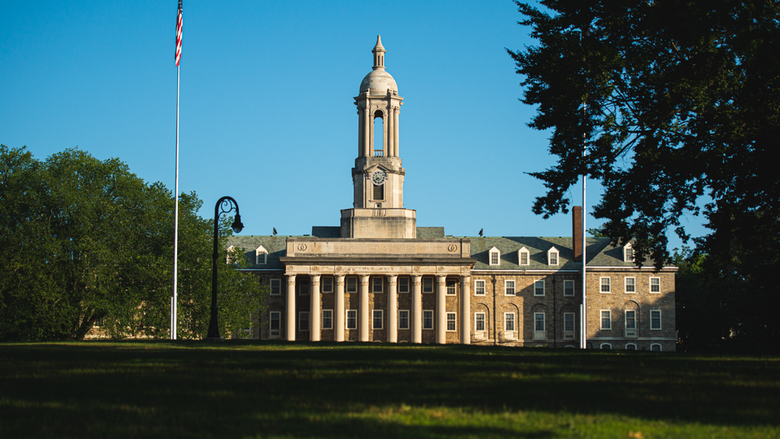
[[267, 114]]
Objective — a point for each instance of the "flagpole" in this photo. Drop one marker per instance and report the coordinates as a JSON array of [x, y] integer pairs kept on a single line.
[[175, 298]]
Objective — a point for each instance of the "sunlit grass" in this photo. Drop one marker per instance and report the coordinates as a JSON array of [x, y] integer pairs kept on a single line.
[[328, 390]]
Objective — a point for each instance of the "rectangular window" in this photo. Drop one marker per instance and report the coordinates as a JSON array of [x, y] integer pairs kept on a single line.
[[605, 285], [451, 287], [262, 258], [568, 288], [606, 319], [427, 285], [568, 322], [275, 324], [327, 284], [655, 319], [630, 320], [378, 319], [352, 285], [553, 258], [479, 287], [303, 321], [655, 284], [630, 285], [509, 288], [351, 319], [276, 287], [403, 284], [540, 332], [495, 258], [403, 319], [379, 193], [479, 322], [451, 316], [303, 287], [377, 284], [523, 257], [539, 288], [327, 319], [509, 321], [427, 319]]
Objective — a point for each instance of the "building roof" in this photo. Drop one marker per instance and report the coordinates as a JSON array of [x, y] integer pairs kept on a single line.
[[599, 252]]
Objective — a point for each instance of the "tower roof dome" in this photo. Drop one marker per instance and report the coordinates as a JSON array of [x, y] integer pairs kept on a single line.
[[378, 81]]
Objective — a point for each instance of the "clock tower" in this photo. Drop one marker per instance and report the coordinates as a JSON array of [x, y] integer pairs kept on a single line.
[[378, 177]]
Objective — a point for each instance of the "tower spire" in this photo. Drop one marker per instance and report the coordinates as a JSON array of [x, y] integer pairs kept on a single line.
[[379, 54]]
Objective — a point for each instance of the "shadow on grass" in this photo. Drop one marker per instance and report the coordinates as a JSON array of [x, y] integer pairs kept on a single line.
[[261, 389]]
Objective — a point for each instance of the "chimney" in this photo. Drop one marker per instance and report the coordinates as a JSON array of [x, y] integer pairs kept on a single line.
[[576, 232]]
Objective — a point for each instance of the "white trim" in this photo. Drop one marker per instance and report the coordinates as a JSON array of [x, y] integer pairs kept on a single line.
[[346, 319], [451, 283], [628, 253], [476, 322], [602, 285], [631, 344], [540, 334], [476, 289], [374, 284], [261, 251], [626, 284], [407, 281], [569, 334], [601, 319], [660, 347], [428, 279], [381, 319], [433, 323], [527, 253], [513, 320], [322, 283], [609, 346], [544, 288], [346, 284], [660, 320], [506, 287], [400, 313], [573, 286], [323, 319], [553, 257], [630, 332], [494, 251], [454, 321], [651, 284]]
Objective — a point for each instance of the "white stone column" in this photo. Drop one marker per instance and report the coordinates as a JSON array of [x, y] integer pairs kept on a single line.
[[314, 320], [390, 132], [363, 334], [339, 327], [361, 130], [441, 310], [290, 306], [395, 127], [392, 309], [370, 129], [417, 309], [465, 312], [386, 132]]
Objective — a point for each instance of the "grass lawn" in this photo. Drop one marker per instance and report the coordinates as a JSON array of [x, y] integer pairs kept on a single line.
[[252, 389]]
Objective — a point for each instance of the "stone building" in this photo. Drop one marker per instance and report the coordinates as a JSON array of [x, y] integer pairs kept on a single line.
[[379, 277]]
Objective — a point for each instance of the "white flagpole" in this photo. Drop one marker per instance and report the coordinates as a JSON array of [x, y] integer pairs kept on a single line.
[[175, 298]]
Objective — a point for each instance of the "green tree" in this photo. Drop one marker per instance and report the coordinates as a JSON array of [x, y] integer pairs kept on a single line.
[[677, 107], [85, 240]]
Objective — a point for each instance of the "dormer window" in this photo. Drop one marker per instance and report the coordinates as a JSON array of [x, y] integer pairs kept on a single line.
[[523, 256], [552, 256], [261, 255], [231, 256], [628, 253], [495, 256]]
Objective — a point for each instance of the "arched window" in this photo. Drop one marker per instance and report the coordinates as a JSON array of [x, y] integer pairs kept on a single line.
[[379, 134]]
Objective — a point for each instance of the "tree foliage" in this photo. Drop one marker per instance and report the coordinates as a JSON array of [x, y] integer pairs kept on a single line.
[[676, 103], [674, 107], [85, 241]]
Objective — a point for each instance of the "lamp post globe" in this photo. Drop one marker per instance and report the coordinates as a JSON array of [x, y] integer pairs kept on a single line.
[[224, 205]]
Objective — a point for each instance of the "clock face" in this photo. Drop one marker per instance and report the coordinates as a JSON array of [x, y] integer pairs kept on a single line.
[[378, 177]]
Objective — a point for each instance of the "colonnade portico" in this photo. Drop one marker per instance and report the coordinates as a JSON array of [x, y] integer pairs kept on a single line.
[[364, 314]]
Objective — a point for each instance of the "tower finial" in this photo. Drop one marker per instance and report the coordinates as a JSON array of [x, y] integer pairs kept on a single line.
[[379, 54]]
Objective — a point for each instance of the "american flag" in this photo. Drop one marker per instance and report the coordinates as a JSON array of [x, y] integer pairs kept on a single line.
[[179, 20]]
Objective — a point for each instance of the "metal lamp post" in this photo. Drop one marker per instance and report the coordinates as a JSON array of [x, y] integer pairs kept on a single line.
[[224, 205]]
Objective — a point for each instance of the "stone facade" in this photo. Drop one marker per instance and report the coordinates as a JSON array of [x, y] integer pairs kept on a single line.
[[377, 277]]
